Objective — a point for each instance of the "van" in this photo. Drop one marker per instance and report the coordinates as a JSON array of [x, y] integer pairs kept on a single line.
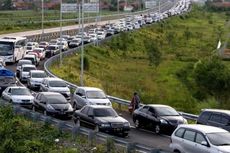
[[215, 117]]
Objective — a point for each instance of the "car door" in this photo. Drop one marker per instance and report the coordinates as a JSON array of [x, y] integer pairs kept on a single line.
[[89, 119], [80, 98], [83, 116], [151, 117], [42, 102], [6, 94], [142, 115], [44, 85], [188, 141], [37, 99], [198, 146]]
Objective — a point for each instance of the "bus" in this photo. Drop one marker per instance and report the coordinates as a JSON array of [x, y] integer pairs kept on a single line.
[[12, 49]]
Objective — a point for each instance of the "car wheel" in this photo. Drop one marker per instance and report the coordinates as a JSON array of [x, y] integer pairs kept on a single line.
[[157, 129], [176, 151], [137, 123]]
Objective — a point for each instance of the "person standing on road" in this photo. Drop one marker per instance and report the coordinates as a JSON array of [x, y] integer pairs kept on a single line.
[[135, 102]]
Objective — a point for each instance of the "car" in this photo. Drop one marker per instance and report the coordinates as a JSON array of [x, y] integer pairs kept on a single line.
[[29, 49], [52, 103], [149, 20], [86, 39], [89, 96], [194, 138], [75, 42], [19, 65], [32, 58], [34, 44], [93, 37], [18, 95], [101, 118], [159, 118], [52, 50], [36, 54], [24, 73], [110, 31], [70, 39], [53, 42], [101, 35], [41, 52], [43, 44], [63, 45], [215, 117], [55, 85], [35, 79]]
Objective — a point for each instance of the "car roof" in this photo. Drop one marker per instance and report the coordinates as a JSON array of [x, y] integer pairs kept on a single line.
[[203, 128], [217, 110], [157, 105], [28, 65], [17, 87], [98, 106], [29, 55], [90, 88], [52, 78], [37, 71], [50, 93], [25, 60]]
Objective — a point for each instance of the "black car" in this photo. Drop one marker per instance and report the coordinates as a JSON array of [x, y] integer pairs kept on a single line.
[[52, 103], [159, 118], [215, 117], [101, 118]]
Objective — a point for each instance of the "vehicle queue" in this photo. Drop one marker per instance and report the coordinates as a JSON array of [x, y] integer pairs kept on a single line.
[[89, 106]]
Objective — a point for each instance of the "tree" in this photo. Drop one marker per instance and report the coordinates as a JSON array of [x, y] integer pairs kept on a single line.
[[153, 53], [213, 77]]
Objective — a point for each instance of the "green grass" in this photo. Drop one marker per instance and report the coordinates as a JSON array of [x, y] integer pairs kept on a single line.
[[121, 66], [22, 20]]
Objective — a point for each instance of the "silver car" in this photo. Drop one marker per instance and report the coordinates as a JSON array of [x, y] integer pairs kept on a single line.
[[193, 138], [35, 79], [24, 73], [89, 96]]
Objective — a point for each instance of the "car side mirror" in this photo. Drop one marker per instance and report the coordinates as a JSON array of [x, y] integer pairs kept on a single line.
[[204, 143]]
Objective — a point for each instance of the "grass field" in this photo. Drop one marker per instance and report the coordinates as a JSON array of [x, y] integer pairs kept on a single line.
[[121, 66], [22, 20]]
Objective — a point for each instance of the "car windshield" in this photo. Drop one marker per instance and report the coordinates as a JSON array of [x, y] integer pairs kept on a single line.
[[219, 139], [51, 48], [95, 95], [104, 112], [166, 111], [20, 91], [38, 75], [6, 48], [56, 99], [28, 69], [57, 83]]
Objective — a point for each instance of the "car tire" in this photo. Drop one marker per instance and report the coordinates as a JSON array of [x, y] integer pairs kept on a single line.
[[176, 151], [137, 123], [157, 129]]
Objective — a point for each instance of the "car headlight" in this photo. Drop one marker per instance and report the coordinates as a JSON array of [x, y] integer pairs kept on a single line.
[[127, 124], [163, 121], [185, 121], [70, 108], [105, 125], [49, 107]]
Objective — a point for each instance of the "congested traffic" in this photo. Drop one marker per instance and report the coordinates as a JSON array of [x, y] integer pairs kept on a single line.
[[89, 106]]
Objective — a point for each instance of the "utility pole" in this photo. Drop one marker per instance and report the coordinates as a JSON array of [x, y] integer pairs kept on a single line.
[[42, 18], [159, 6], [79, 15], [60, 46], [118, 7], [82, 45]]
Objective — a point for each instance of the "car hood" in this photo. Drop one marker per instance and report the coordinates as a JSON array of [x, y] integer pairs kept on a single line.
[[174, 120], [23, 97], [117, 119], [224, 148], [99, 101], [59, 89]]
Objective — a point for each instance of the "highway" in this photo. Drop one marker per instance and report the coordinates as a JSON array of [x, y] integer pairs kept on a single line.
[[140, 136]]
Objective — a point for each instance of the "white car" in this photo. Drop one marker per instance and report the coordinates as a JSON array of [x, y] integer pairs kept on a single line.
[[195, 138], [101, 35], [35, 79], [63, 45], [33, 58], [18, 95], [29, 49], [34, 44], [53, 42], [93, 37], [75, 42], [55, 85], [89, 96], [41, 52], [19, 65], [24, 73]]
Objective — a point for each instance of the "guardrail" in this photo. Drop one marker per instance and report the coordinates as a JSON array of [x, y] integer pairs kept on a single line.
[[76, 130]]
